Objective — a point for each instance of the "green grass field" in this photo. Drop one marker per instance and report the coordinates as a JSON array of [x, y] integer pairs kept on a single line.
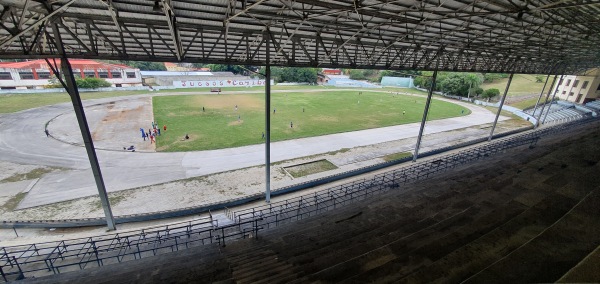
[[522, 84], [222, 126]]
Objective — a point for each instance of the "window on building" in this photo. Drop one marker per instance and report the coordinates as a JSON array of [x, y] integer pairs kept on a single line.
[[26, 75], [575, 83], [89, 74], [571, 94], [116, 74], [43, 75], [568, 82], [564, 92], [103, 74], [584, 84], [130, 74], [5, 76], [579, 97], [598, 87]]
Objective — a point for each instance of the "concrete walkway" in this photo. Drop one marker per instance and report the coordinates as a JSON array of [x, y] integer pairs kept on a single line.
[[22, 140]]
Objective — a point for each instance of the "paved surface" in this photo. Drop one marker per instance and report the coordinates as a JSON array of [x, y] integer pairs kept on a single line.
[[521, 216], [22, 140]]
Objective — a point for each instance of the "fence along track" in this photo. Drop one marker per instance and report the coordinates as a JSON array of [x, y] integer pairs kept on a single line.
[[18, 262]]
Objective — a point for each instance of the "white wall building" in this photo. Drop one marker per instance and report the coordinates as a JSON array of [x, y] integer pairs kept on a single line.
[[580, 88], [36, 74]]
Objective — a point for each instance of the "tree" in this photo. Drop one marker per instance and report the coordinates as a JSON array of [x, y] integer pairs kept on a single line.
[[490, 93], [235, 69], [474, 80], [292, 74], [424, 81], [454, 84], [477, 91], [146, 65]]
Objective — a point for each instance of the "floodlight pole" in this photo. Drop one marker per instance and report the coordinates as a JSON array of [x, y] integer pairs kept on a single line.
[[540, 97], [500, 106], [425, 112], [84, 128], [268, 123], [547, 97], [553, 95]]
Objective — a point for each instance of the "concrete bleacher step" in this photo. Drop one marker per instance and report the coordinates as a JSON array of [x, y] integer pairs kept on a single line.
[[581, 221], [490, 227], [494, 245], [256, 263], [376, 251]]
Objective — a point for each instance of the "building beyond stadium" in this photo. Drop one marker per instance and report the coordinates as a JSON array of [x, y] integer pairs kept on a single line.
[[36, 74], [580, 88]]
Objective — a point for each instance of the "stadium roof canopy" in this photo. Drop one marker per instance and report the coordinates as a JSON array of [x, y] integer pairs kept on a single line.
[[521, 36]]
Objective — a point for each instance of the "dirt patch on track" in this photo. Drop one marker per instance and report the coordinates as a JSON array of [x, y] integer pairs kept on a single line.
[[229, 101]]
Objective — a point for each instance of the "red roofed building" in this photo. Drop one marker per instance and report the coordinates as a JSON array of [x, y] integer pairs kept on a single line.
[[36, 74], [327, 71]]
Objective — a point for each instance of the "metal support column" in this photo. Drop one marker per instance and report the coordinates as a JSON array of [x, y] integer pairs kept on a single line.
[[539, 98], [500, 106], [69, 81], [268, 123], [547, 97], [425, 112], [553, 95]]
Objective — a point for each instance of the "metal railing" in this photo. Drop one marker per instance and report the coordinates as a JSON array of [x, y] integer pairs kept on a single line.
[[18, 262], [297, 208]]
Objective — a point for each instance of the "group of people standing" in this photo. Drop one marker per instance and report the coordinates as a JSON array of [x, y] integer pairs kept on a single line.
[[153, 132]]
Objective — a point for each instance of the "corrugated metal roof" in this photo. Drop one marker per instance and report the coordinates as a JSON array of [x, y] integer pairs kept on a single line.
[[525, 36]]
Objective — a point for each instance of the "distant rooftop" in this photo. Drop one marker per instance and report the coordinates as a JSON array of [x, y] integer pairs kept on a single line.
[[176, 73], [75, 63]]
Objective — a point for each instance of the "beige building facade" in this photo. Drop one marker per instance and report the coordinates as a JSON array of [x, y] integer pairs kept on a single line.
[[579, 88]]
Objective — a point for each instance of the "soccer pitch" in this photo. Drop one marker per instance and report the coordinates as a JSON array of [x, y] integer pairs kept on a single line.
[[212, 121]]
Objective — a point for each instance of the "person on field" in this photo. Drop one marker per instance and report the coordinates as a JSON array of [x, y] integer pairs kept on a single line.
[[47, 133], [187, 136], [165, 127], [144, 135], [291, 124], [263, 136]]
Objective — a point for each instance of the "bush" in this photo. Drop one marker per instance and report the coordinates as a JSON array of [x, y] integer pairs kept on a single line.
[[87, 83], [92, 83], [490, 93], [478, 91]]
